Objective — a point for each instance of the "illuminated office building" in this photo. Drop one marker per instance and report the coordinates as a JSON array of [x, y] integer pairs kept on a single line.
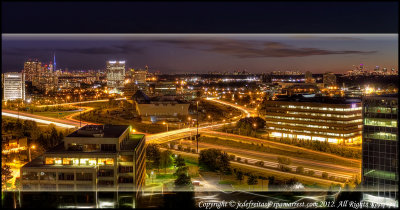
[[380, 150], [115, 74], [32, 69], [96, 158], [308, 117], [329, 79], [13, 86]]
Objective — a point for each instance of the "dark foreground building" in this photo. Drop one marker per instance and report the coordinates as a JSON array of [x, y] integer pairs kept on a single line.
[[380, 150], [96, 166]]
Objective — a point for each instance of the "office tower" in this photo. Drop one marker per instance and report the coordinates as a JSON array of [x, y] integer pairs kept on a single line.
[[32, 69], [115, 74], [13, 86], [380, 150], [308, 117], [329, 79], [139, 76], [309, 78]]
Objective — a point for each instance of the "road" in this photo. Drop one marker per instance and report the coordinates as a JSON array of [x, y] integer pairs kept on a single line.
[[270, 160], [247, 112], [81, 102], [40, 119], [308, 179], [276, 144]]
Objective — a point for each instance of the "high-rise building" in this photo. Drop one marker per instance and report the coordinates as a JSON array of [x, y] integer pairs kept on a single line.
[[329, 79], [309, 117], [13, 86], [380, 150], [139, 76], [115, 74], [309, 78], [32, 69]]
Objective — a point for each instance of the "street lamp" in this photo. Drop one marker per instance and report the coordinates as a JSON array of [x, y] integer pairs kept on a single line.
[[197, 135], [164, 124], [29, 151]]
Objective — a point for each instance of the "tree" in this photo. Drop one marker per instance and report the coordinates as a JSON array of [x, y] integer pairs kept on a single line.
[[324, 175], [208, 159], [300, 169], [179, 161], [165, 160], [271, 180], [252, 180], [239, 176], [153, 154], [223, 163], [6, 174], [181, 170], [183, 181], [262, 181]]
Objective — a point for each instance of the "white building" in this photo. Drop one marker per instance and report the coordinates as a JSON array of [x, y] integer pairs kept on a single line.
[[13, 86], [115, 74]]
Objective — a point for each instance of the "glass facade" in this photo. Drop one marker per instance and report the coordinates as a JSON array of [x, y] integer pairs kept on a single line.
[[380, 150]]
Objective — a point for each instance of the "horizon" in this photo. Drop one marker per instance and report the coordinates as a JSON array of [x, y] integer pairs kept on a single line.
[[203, 53]]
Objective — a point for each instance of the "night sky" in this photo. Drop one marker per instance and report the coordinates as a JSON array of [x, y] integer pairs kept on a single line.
[[189, 52]]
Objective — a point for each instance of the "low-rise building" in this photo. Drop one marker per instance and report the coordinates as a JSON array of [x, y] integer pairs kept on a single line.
[[94, 158], [309, 117]]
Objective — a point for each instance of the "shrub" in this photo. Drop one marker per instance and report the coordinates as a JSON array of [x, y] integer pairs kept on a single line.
[[193, 150], [300, 169], [324, 175], [180, 147], [232, 157], [238, 159], [310, 172]]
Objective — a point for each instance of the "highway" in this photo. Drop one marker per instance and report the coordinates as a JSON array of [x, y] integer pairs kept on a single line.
[[308, 179], [81, 102], [271, 160]]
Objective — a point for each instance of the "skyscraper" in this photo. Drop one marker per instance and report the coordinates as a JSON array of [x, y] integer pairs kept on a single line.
[[379, 150], [13, 86], [32, 69], [329, 79], [115, 74]]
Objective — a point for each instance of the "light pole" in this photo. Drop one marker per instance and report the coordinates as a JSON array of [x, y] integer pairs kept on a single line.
[[29, 151], [197, 135], [164, 124]]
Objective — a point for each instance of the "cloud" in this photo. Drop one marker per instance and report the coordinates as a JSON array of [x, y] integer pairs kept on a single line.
[[122, 49], [256, 49]]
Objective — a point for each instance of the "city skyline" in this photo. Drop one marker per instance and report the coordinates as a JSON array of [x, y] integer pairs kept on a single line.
[[201, 53]]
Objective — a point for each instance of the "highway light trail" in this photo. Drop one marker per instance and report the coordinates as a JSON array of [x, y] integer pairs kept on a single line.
[[247, 113], [82, 102], [37, 120]]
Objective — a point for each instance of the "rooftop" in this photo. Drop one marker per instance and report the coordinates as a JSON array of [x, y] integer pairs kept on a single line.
[[100, 131], [317, 99]]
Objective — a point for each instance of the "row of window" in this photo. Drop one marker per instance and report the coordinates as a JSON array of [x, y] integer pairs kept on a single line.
[[79, 161], [382, 136], [315, 120], [51, 176], [322, 108], [314, 126], [317, 133], [380, 122], [326, 115], [385, 110]]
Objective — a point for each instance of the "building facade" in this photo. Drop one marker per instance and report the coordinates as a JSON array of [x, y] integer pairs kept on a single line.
[[115, 74], [96, 158], [380, 150], [314, 118], [13, 86], [32, 69]]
